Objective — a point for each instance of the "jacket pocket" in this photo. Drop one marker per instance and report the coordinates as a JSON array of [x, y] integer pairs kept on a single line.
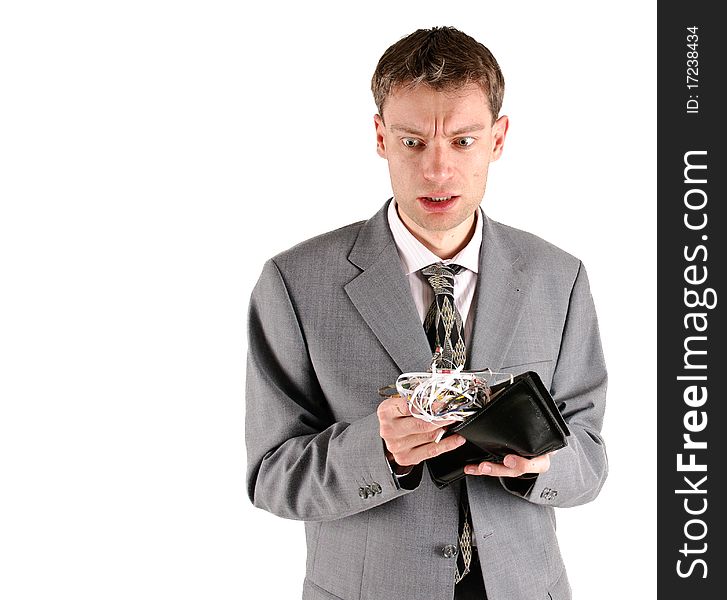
[[560, 590], [311, 591]]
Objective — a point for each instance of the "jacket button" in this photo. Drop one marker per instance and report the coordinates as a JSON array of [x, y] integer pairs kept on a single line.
[[449, 551], [375, 488]]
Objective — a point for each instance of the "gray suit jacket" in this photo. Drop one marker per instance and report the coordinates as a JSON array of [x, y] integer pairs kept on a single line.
[[331, 320]]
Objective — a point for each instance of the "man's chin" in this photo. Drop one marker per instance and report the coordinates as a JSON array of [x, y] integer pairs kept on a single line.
[[441, 222]]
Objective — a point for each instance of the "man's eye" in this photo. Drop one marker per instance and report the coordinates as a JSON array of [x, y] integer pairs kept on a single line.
[[465, 141], [411, 142]]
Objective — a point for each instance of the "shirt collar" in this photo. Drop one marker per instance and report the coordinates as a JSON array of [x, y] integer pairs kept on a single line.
[[415, 255]]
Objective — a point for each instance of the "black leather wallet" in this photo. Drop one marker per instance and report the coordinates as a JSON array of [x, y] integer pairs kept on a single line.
[[520, 418]]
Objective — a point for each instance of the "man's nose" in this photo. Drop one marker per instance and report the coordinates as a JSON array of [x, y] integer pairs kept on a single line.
[[437, 165]]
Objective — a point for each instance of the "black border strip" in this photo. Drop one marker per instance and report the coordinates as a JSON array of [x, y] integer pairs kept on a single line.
[[691, 295]]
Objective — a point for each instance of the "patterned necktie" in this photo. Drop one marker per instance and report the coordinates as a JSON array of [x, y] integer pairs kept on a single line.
[[445, 330], [443, 323]]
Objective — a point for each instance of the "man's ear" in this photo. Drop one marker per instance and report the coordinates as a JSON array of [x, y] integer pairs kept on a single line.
[[499, 131], [380, 131]]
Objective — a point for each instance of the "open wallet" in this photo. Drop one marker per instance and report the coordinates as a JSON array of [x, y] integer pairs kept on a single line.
[[520, 418]]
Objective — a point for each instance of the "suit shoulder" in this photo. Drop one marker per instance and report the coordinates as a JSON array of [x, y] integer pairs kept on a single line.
[[535, 248], [332, 246]]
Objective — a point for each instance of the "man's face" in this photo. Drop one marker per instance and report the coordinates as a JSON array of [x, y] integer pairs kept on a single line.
[[439, 145]]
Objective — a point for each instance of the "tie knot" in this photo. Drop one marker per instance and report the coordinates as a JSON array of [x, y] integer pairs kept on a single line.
[[441, 277]]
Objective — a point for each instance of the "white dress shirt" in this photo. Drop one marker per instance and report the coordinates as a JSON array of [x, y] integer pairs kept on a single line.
[[415, 256]]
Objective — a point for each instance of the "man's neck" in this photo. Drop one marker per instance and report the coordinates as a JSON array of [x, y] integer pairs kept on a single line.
[[445, 244]]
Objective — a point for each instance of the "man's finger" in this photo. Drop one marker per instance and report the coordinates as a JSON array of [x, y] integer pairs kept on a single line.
[[513, 466], [414, 440], [430, 450], [396, 407], [539, 464]]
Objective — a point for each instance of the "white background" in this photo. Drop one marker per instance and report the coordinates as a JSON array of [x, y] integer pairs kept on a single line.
[[152, 156]]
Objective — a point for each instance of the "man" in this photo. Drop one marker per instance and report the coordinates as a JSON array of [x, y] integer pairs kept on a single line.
[[336, 317]]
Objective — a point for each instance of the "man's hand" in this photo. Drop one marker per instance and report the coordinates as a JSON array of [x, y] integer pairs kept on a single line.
[[513, 466], [409, 440]]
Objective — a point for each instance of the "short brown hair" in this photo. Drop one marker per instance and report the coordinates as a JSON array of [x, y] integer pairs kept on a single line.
[[442, 57]]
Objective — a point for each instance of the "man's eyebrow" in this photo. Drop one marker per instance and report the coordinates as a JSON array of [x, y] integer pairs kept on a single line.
[[408, 129]]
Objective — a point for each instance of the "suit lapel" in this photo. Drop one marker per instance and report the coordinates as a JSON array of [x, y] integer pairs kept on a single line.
[[382, 296], [499, 297]]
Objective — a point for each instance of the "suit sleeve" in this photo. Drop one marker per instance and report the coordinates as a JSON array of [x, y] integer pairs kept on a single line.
[[301, 464], [578, 471]]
